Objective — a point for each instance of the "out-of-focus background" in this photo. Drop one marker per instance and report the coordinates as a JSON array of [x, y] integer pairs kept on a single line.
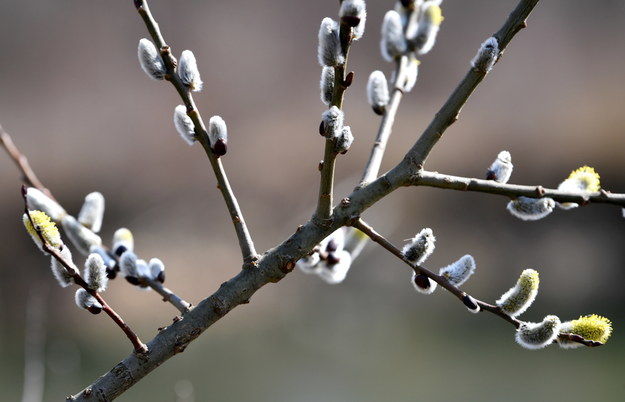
[[77, 104]]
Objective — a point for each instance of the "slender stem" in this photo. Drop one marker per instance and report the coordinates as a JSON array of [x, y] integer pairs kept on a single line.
[[22, 163], [168, 295], [435, 179], [450, 111], [246, 243], [443, 282], [326, 185]]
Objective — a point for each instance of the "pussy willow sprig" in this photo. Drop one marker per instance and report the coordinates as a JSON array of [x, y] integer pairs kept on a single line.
[[74, 273], [245, 239]]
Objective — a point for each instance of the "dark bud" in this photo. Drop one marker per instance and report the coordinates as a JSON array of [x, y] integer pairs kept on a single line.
[[138, 3], [332, 246], [379, 110], [320, 167], [24, 190], [161, 277], [422, 281], [349, 78], [490, 175], [407, 3], [332, 259], [350, 21], [220, 147], [470, 303], [94, 309], [322, 129], [120, 250], [111, 273], [133, 280]]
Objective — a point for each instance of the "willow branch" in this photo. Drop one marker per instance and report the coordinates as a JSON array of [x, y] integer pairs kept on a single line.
[[341, 83], [435, 179], [73, 271], [29, 176], [450, 111], [168, 295], [246, 243], [443, 282]]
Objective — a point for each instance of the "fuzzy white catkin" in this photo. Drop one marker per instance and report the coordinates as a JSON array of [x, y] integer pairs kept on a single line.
[[217, 134], [326, 84], [344, 140], [61, 274], [531, 209], [128, 264], [520, 297], [92, 211], [188, 71], [150, 60], [537, 335], [393, 43], [95, 273], [377, 91], [420, 247], [356, 12], [329, 50], [501, 169], [412, 72], [429, 25], [184, 125], [486, 56], [123, 240], [418, 282], [86, 301], [336, 273], [458, 272], [333, 122], [37, 200], [81, 237]]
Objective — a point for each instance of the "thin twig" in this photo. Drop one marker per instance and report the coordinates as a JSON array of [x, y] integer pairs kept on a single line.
[[21, 161], [450, 111], [326, 184], [168, 295], [443, 282], [435, 179], [246, 243], [79, 280]]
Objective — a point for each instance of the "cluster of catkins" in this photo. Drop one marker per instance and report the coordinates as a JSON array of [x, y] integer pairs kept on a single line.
[[514, 302], [582, 180], [187, 71], [101, 264]]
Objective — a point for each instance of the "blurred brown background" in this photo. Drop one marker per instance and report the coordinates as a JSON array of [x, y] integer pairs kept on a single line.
[[76, 102]]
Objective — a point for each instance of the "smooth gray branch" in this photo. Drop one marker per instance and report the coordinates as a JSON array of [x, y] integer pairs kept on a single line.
[[435, 179]]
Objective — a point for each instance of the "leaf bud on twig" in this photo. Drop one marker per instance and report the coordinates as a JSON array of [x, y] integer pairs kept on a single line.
[[471, 304], [218, 135], [354, 14], [518, 298], [531, 209], [591, 328], [188, 71], [81, 237], [41, 223], [429, 24], [95, 273], [501, 169], [423, 284], [486, 56], [150, 60], [377, 92], [537, 335], [420, 247], [327, 84], [184, 125], [88, 302], [393, 43], [37, 200], [329, 50], [92, 211], [458, 272], [123, 240]]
